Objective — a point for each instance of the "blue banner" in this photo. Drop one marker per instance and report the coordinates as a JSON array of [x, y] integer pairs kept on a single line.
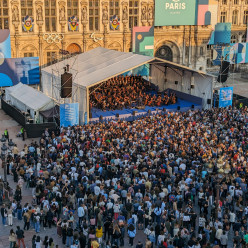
[[226, 97], [85, 118], [69, 114]]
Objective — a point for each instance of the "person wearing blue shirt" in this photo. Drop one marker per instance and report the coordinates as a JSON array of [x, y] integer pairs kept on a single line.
[[131, 233]]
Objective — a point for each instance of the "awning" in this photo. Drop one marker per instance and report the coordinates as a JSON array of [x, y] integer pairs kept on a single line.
[[50, 113]]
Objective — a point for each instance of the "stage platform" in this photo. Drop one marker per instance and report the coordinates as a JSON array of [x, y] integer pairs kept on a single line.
[[127, 113]]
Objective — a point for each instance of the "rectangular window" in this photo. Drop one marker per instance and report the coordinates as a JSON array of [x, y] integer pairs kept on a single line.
[[133, 13], [94, 17], [51, 57], [235, 17], [4, 14], [72, 8], [27, 8], [50, 16], [28, 54], [114, 7], [245, 17], [223, 17]]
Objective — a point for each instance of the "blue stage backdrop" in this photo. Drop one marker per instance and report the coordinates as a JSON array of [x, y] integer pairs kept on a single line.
[[69, 114], [16, 70], [226, 97]]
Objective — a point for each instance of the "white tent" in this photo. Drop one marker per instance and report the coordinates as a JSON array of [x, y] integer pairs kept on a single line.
[[25, 98], [100, 64]]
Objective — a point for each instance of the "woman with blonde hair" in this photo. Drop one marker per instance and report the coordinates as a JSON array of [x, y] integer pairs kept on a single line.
[[116, 234]]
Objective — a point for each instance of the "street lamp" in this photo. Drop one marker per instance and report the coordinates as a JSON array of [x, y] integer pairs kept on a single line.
[[3, 139], [4, 153], [11, 144], [4, 149]]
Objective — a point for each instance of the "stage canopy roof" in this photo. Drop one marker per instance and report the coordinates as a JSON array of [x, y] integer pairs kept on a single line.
[[101, 64]]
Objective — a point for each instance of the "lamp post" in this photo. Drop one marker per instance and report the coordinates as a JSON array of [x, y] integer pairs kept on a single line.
[[4, 153]]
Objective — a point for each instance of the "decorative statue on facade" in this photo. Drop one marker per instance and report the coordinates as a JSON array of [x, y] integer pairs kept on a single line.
[[62, 14], [150, 13], [125, 14], [84, 14], [143, 15], [105, 15], [15, 14], [39, 14]]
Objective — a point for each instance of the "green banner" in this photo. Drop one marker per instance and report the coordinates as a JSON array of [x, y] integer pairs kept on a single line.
[[175, 12]]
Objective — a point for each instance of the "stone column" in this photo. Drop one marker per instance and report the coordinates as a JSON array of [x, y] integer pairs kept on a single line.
[[105, 22], [84, 21], [125, 23]]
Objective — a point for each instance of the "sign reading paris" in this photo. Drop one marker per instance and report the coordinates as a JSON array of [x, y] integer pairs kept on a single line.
[[175, 12], [175, 5]]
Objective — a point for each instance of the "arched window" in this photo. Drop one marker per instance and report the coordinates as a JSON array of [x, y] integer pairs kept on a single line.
[[235, 17], [243, 40], [234, 39], [235, 2], [94, 15], [224, 2], [133, 13], [245, 20], [207, 18], [4, 14], [164, 52]]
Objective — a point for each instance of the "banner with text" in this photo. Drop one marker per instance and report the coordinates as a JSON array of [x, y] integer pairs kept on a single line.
[[69, 114], [226, 97], [175, 12]]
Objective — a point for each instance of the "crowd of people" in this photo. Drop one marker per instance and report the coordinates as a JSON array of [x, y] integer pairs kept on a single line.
[[127, 92], [171, 180]]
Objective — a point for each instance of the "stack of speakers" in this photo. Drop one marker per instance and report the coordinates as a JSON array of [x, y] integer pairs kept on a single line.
[[223, 74], [66, 84]]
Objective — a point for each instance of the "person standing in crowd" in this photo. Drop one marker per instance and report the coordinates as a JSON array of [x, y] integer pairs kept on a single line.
[[20, 237], [22, 133], [6, 134], [10, 216], [12, 239], [4, 215], [131, 232]]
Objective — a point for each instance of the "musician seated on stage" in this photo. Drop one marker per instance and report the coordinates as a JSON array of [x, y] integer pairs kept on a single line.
[[127, 92]]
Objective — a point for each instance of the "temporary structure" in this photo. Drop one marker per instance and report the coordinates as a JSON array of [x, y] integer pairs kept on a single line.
[[28, 99], [100, 64]]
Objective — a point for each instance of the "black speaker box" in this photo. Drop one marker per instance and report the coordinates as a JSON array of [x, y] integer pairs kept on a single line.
[[223, 74], [66, 85]]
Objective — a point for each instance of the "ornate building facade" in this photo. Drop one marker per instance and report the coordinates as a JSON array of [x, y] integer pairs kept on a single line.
[[47, 28]]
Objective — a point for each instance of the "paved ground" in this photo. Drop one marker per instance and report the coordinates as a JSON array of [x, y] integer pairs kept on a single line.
[[240, 85], [13, 127]]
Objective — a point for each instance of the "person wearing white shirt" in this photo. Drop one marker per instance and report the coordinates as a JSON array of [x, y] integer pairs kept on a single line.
[[182, 166], [81, 214], [232, 217], [109, 205], [97, 190]]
